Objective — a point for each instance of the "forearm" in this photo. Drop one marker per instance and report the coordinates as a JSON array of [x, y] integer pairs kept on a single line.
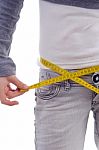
[[9, 15]]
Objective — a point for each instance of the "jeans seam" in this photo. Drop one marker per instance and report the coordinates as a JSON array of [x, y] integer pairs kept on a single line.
[[95, 126]]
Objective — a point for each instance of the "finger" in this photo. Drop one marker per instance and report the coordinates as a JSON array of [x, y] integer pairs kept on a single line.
[[7, 89], [4, 100], [9, 103], [18, 83], [14, 93]]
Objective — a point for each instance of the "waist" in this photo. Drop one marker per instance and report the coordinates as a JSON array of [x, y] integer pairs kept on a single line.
[[51, 74]]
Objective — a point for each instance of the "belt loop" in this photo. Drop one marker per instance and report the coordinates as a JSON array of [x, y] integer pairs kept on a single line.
[[66, 85]]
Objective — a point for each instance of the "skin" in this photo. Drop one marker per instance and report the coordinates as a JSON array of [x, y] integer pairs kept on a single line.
[[6, 92]]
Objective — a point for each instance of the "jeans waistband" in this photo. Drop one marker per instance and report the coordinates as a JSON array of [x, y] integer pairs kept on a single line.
[[87, 78]]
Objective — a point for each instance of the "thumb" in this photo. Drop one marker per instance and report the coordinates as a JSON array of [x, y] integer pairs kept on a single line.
[[18, 83]]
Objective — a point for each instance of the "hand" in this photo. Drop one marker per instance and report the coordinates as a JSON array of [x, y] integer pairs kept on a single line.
[[6, 92]]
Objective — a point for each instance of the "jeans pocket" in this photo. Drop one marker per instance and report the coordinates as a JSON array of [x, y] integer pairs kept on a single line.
[[48, 91]]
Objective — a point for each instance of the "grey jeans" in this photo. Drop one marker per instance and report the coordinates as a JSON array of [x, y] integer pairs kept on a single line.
[[61, 113]]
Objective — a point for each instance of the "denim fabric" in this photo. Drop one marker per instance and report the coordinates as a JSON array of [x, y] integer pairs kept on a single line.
[[61, 113], [9, 15], [91, 4]]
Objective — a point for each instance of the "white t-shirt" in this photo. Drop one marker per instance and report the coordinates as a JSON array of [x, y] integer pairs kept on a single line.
[[69, 35]]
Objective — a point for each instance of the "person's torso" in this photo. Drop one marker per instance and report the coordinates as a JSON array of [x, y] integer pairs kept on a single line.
[[91, 4], [69, 32]]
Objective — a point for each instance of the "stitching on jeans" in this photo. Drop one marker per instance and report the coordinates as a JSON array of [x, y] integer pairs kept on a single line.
[[93, 102], [52, 92], [35, 138]]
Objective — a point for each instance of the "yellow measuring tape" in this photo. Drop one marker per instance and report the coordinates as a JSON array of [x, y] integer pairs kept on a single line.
[[65, 75]]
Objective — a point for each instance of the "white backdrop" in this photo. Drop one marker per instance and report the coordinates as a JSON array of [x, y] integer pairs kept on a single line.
[[17, 130]]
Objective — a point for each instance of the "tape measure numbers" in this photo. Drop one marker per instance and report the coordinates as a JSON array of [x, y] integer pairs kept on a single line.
[[65, 75]]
